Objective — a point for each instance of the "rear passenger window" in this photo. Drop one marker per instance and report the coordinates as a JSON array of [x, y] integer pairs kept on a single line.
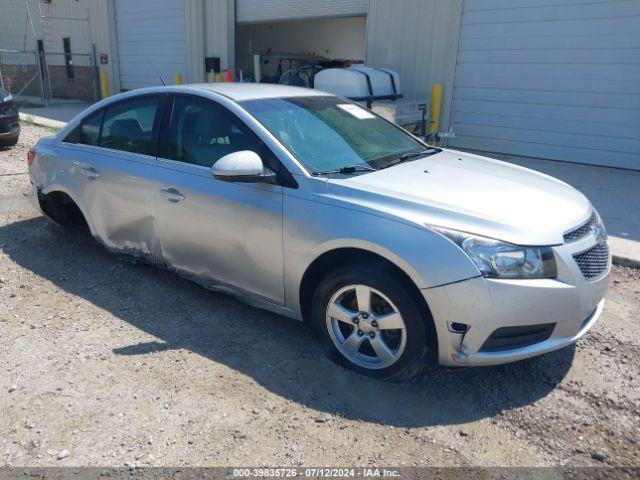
[[128, 125]]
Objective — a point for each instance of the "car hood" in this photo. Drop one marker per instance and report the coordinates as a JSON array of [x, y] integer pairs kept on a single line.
[[471, 193]]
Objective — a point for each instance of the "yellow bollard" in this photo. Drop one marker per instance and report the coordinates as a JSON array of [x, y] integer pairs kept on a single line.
[[104, 84], [435, 105], [178, 79], [219, 77]]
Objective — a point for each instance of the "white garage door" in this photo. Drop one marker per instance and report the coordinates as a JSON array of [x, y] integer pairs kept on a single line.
[[253, 11], [556, 79], [151, 41]]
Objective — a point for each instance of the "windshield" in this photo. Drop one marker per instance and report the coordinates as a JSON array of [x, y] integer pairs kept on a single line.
[[327, 133]]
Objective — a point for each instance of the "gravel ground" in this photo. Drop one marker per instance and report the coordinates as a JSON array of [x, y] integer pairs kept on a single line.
[[107, 362]]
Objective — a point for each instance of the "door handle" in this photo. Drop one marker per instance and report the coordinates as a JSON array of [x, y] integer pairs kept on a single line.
[[90, 172], [172, 195], [86, 169]]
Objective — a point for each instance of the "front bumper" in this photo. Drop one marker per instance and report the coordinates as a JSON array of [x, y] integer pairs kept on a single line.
[[9, 122], [569, 301]]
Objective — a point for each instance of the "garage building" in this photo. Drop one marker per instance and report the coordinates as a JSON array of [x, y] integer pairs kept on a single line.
[[551, 79], [557, 79]]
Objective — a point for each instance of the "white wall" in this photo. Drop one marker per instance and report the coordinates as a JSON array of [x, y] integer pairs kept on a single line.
[[50, 22], [87, 22], [419, 39], [102, 22], [209, 30], [263, 11], [329, 37], [151, 41]]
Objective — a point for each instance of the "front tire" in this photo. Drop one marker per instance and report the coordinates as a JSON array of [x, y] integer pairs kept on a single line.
[[9, 142], [367, 320]]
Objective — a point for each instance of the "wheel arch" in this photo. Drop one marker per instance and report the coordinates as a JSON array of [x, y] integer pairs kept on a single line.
[[339, 256], [58, 193]]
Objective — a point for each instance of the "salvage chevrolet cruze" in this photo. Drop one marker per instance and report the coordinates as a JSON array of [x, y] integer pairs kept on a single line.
[[306, 204]]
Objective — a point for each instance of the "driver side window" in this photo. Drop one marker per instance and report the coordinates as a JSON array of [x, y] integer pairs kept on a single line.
[[202, 132]]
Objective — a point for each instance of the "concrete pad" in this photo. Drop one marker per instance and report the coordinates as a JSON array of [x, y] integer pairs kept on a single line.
[[55, 115], [614, 192], [13, 203], [42, 121]]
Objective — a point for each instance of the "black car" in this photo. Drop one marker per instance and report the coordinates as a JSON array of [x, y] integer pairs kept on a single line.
[[9, 120]]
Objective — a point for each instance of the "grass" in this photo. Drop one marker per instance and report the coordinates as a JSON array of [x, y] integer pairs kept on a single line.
[[34, 124]]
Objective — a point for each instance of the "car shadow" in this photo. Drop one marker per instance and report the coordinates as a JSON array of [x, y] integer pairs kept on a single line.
[[280, 354]]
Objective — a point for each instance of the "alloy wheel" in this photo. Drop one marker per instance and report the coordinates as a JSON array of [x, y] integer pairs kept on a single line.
[[365, 326]]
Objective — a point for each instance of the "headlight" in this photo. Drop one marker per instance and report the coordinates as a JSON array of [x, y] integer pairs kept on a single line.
[[599, 229], [503, 260], [8, 98]]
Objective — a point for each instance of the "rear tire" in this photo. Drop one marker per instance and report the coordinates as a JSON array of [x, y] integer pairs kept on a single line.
[[367, 320], [62, 210]]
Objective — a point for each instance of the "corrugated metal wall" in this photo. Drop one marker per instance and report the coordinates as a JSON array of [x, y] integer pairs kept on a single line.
[[50, 22], [419, 39], [220, 31], [556, 79], [253, 11], [16, 32], [85, 21], [210, 33], [151, 41], [102, 21], [65, 19]]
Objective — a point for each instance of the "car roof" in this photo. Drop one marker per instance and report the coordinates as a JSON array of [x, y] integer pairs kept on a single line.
[[236, 92], [251, 91]]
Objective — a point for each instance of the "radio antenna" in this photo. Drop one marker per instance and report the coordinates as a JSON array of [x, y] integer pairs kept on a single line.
[[158, 72]]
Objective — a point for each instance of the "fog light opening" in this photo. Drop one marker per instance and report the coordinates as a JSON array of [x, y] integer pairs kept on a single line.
[[458, 328]]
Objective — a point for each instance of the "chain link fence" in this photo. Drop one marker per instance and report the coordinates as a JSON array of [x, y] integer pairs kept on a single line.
[[21, 76], [45, 59], [69, 76]]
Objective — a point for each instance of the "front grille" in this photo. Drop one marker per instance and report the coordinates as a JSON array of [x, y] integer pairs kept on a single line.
[[6, 127], [8, 110], [508, 338], [582, 230], [594, 262]]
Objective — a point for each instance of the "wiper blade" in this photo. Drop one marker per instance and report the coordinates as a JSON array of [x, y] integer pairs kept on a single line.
[[409, 155], [347, 169]]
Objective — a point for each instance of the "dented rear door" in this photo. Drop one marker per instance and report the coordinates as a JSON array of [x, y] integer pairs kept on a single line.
[[118, 194], [115, 176]]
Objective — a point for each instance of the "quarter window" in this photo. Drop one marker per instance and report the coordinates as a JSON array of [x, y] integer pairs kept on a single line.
[[128, 125], [202, 132]]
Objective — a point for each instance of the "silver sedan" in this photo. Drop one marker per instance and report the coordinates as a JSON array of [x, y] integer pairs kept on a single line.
[[395, 252]]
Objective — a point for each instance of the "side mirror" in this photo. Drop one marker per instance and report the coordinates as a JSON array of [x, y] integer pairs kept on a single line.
[[244, 166]]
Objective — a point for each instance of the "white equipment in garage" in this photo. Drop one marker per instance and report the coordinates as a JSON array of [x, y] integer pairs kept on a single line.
[[378, 88], [403, 112], [360, 83]]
